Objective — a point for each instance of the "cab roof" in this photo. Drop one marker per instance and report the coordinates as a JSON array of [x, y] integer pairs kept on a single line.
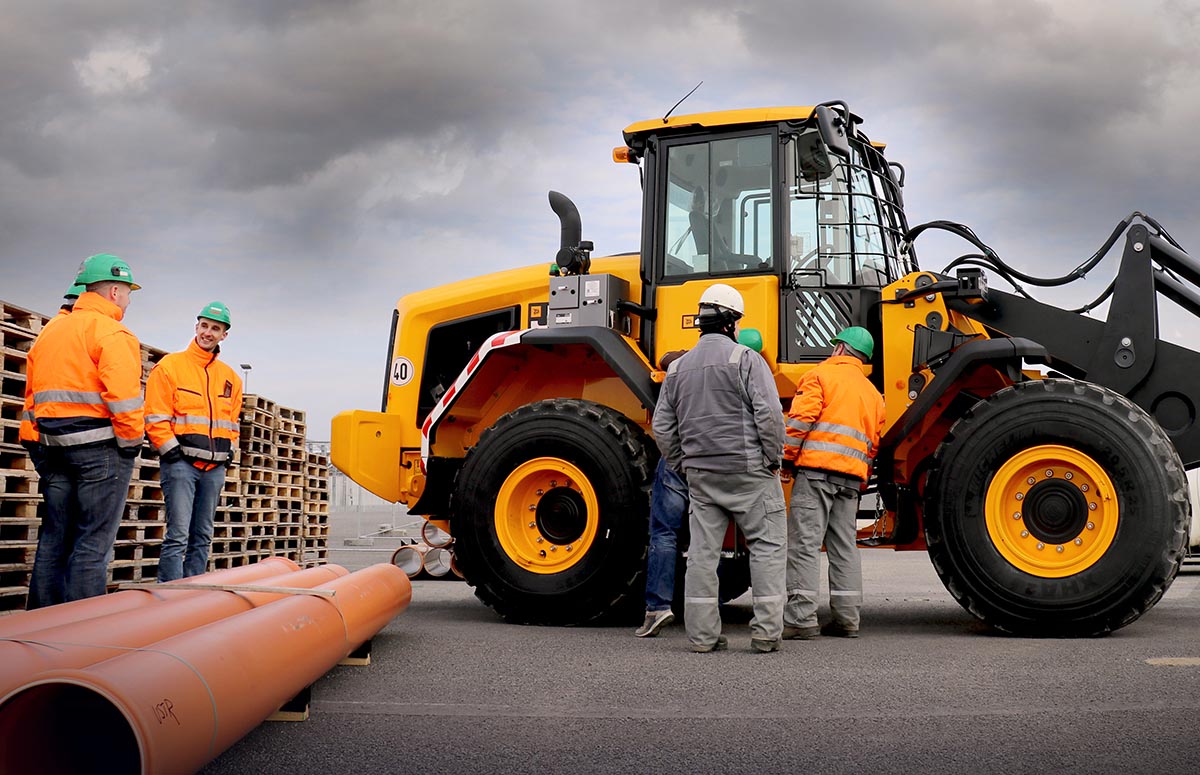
[[720, 118]]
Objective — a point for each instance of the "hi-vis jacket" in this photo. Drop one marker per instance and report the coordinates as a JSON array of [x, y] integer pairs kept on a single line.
[[194, 402], [84, 381], [836, 419]]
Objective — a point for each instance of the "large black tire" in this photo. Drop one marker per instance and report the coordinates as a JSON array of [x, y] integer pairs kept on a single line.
[[550, 514], [1056, 508]]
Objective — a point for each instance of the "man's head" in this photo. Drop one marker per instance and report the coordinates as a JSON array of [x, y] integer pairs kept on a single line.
[[108, 276], [721, 307], [212, 325], [73, 293], [855, 341]]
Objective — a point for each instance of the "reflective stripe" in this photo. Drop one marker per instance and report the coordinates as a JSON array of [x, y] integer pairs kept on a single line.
[[190, 419], [766, 598], [157, 417], [809, 592], [792, 441], [204, 454], [129, 442], [68, 397], [225, 425], [847, 593], [125, 405], [171, 444], [195, 419], [800, 426], [736, 355], [700, 600], [79, 437], [845, 430], [840, 449], [28, 415]]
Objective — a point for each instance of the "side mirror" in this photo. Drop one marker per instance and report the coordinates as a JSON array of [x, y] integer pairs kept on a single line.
[[833, 131]]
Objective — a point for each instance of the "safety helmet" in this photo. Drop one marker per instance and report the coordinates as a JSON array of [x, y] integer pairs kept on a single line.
[[752, 338], [75, 291], [720, 303], [105, 267], [858, 339], [217, 311]]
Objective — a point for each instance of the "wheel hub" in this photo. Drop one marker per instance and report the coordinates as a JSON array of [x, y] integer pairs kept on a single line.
[[1051, 511], [547, 515]]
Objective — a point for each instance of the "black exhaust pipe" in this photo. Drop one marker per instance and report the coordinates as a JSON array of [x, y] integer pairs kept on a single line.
[[573, 253]]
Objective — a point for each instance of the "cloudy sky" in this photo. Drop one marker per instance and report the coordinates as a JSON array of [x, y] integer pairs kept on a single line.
[[310, 161]]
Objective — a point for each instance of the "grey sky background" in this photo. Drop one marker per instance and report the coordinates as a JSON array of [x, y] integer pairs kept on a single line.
[[309, 162]]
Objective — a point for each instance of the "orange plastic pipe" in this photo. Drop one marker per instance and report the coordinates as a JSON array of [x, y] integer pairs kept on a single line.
[[87, 641], [410, 559], [102, 605], [175, 706]]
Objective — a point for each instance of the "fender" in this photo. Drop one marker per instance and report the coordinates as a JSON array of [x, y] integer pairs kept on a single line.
[[617, 352]]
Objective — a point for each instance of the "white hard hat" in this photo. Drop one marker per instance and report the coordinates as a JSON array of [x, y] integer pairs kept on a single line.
[[724, 297]]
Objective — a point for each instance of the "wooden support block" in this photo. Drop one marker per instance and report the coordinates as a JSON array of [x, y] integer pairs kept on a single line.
[[295, 709], [360, 657]]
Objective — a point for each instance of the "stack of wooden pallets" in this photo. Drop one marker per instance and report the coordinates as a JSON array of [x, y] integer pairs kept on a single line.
[[275, 499]]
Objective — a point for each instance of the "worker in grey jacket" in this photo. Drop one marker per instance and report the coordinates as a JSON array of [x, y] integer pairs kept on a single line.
[[718, 419]]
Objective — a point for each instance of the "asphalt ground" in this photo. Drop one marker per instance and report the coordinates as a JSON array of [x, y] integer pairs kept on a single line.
[[926, 689]]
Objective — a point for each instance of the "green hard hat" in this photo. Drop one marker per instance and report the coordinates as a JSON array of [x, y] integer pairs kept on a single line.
[[857, 338], [75, 291], [217, 311], [752, 338], [105, 267]]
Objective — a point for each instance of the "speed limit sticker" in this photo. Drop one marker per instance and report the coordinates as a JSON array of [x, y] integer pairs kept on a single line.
[[402, 371]]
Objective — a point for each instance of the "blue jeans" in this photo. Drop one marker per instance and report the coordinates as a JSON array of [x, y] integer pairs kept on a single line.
[[84, 490], [191, 497], [668, 505]]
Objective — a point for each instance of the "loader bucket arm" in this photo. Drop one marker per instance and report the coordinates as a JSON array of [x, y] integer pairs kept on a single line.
[[1122, 353]]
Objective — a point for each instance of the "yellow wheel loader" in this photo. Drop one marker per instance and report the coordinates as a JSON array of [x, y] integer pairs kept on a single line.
[[1037, 453]]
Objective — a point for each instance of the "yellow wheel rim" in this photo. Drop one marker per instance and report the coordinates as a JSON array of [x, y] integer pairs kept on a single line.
[[1051, 511], [546, 515]]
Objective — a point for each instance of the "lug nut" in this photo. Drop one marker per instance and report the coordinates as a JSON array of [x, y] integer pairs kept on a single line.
[[553, 482], [542, 553], [1079, 542], [1059, 549], [1069, 475], [555, 548], [1091, 526], [1091, 507], [541, 491], [532, 507], [1041, 546], [1020, 496], [1016, 515], [1083, 487], [1024, 534], [568, 547], [540, 539], [1030, 480], [532, 525], [1049, 472]]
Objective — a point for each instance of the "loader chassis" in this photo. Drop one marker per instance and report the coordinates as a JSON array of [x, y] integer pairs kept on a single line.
[[1034, 452]]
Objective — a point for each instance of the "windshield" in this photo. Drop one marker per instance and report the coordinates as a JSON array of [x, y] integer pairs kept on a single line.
[[845, 222]]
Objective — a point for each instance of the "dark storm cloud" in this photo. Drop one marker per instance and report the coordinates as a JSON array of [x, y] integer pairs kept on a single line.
[[308, 161]]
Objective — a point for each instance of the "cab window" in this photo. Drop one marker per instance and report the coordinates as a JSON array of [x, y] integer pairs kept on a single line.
[[718, 207]]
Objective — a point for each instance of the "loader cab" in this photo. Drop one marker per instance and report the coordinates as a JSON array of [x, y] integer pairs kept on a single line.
[[804, 224]]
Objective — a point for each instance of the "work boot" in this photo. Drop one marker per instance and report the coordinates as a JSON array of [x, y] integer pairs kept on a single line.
[[839, 630], [801, 633], [764, 645], [721, 644], [655, 621]]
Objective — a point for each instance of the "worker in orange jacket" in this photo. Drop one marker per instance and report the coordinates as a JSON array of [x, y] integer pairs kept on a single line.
[[83, 429], [193, 407], [833, 430]]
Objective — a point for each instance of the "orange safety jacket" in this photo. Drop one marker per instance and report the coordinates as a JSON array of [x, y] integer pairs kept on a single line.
[[836, 419], [84, 379], [194, 402]]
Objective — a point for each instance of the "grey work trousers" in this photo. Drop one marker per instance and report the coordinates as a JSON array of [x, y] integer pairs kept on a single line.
[[755, 502], [823, 512]]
